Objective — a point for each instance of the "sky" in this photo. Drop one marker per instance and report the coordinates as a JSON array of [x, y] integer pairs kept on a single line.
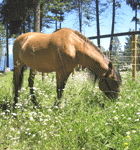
[[123, 24]]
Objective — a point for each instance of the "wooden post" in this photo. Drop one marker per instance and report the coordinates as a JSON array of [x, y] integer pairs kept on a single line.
[[134, 56]]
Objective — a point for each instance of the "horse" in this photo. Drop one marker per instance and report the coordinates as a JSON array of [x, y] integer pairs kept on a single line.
[[60, 52]]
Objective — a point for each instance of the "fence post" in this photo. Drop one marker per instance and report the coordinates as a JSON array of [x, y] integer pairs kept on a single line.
[[134, 48]]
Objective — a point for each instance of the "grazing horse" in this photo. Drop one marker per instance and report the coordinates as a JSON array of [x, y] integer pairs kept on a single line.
[[61, 52]]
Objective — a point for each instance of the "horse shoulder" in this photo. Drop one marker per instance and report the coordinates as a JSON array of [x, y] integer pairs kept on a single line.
[[63, 42]]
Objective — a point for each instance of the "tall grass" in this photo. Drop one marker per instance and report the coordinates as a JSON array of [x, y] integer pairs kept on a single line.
[[87, 119]]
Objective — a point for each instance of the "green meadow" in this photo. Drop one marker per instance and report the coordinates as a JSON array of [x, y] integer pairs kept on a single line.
[[86, 120]]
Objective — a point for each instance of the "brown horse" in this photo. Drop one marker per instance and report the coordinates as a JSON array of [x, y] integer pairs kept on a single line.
[[61, 52]]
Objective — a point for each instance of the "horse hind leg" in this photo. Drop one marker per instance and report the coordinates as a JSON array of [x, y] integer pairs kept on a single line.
[[18, 78], [31, 83], [43, 76]]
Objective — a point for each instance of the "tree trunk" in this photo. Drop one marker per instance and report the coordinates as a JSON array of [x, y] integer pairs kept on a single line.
[[7, 45], [29, 23], [60, 22], [80, 22], [80, 17], [112, 31], [23, 26], [98, 26], [136, 19], [56, 23], [37, 16], [41, 16]]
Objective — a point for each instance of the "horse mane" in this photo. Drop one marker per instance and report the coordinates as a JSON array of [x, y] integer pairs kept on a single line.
[[85, 39]]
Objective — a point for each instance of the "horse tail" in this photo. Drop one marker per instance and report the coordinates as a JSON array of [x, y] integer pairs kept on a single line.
[[19, 68]]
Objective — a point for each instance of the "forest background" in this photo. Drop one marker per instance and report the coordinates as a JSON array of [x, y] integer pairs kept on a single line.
[[80, 15]]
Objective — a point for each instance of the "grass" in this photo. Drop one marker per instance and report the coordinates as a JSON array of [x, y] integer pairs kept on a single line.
[[81, 124]]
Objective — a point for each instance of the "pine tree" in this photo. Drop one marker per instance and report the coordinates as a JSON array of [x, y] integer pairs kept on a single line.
[[135, 5], [85, 10], [58, 9], [128, 49], [2, 40], [116, 51]]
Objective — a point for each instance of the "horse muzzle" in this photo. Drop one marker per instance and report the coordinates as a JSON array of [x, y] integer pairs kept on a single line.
[[113, 95]]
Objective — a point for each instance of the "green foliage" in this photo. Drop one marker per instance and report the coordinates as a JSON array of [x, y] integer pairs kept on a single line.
[[57, 10], [82, 122], [116, 45], [116, 52], [133, 3], [128, 48], [85, 9], [14, 18]]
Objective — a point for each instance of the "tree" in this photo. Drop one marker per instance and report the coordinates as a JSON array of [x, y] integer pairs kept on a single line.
[[2, 41], [2, 37], [85, 13], [84, 9], [116, 45], [37, 16], [15, 18], [12, 19], [58, 9], [116, 51], [135, 4], [112, 30], [128, 49], [115, 4], [97, 21]]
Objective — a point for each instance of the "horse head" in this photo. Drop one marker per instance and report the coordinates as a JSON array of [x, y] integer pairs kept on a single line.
[[111, 82]]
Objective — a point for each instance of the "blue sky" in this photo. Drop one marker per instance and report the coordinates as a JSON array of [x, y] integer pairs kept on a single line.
[[123, 19]]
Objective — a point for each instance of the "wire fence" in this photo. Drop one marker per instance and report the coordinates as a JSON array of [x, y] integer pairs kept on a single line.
[[124, 63], [126, 60]]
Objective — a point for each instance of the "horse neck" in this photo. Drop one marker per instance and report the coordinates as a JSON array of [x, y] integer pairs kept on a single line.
[[93, 60]]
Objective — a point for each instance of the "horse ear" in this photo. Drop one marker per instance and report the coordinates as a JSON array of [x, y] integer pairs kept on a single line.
[[110, 65]]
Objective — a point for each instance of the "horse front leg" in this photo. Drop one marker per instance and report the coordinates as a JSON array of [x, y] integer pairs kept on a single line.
[[61, 82], [31, 83]]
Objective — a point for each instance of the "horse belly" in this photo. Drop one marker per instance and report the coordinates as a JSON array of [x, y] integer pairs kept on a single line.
[[45, 66], [41, 64]]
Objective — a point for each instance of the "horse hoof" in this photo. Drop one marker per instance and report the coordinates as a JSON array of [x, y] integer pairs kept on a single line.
[[57, 102]]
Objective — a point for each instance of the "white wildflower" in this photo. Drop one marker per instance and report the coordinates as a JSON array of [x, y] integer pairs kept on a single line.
[[115, 117], [133, 131], [128, 133]]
